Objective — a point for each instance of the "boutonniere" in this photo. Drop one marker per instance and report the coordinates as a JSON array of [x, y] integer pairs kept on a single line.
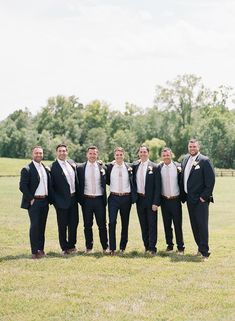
[[102, 171], [195, 163], [100, 162], [179, 169], [48, 168], [130, 169], [150, 169]]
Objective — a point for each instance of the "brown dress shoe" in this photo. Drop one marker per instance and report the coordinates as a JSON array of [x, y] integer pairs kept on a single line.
[[41, 253], [112, 253]]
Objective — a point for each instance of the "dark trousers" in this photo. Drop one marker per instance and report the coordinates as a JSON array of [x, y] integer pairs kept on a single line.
[[91, 207], [123, 205], [148, 224], [172, 213], [38, 216], [67, 220], [199, 215]]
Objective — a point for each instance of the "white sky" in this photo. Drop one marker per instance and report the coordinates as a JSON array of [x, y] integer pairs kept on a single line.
[[112, 50]]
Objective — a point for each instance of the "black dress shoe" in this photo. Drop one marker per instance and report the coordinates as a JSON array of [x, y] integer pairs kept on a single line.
[[169, 248]]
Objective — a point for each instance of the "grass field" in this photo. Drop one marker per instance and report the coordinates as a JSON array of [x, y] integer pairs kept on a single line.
[[123, 288]]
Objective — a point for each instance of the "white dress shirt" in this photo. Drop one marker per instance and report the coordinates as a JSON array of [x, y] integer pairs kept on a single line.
[[119, 179], [187, 170], [141, 176], [170, 186], [69, 174], [92, 184], [42, 189]]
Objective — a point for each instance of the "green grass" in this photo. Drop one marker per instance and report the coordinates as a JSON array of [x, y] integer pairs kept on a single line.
[[12, 166], [122, 288]]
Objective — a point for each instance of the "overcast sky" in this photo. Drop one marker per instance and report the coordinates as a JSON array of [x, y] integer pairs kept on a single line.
[[112, 50]]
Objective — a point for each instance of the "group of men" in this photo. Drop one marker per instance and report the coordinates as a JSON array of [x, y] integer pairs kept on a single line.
[[167, 184]]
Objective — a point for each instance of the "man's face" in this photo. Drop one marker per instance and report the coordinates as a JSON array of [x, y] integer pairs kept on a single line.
[[143, 154], [166, 157], [193, 148], [92, 155], [119, 156], [62, 153], [37, 154]]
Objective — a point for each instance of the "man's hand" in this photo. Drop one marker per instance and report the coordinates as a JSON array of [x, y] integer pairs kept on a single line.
[[154, 208]]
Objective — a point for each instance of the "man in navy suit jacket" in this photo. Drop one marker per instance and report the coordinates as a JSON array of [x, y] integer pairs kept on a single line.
[[198, 179], [92, 197], [65, 198], [122, 195], [36, 188], [148, 185], [171, 207]]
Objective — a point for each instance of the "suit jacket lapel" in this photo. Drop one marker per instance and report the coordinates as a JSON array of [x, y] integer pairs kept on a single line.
[[34, 171]]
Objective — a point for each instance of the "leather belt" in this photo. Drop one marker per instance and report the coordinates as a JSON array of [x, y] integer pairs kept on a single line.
[[170, 197], [120, 194], [92, 196], [39, 197], [141, 194]]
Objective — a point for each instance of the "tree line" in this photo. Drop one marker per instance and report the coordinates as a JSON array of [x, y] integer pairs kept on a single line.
[[182, 108]]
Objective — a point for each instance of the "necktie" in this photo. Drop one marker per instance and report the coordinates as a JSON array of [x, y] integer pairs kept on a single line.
[[168, 182], [43, 178], [142, 187], [93, 187], [120, 187]]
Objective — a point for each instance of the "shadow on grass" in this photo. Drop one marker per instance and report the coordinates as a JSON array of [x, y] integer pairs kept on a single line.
[[174, 257]]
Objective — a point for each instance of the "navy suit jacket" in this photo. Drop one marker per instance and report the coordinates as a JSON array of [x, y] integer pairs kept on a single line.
[[152, 183], [60, 185], [81, 168], [131, 180], [29, 181], [201, 179]]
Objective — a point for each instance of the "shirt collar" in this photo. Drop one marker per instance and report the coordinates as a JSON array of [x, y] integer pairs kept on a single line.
[[61, 162], [91, 164], [195, 156], [37, 165], [145, 163], [169, 165]]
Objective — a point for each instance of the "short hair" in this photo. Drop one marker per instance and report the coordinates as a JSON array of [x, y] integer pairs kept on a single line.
[[119, 149], [37, 146], [61, 145], [141, 146], [193, 140], [166, 149], [92, 147]]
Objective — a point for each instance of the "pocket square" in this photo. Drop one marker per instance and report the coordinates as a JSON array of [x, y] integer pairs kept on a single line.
[[197, 167]]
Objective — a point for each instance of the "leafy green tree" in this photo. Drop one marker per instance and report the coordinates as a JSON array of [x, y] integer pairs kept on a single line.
[[155, 146]]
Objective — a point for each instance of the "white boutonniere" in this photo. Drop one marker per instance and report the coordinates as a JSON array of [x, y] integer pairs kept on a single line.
[[179, 169], [195, 163], [150, 169], [102, 171], [197, 167], [130, 169], [100, 162]]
